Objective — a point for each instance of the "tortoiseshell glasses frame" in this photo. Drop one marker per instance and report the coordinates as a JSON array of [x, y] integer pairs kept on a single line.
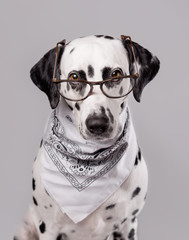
[[92, 83]]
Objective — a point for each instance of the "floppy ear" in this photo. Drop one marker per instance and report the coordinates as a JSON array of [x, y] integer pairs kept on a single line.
[[147, 63], [42, 74]]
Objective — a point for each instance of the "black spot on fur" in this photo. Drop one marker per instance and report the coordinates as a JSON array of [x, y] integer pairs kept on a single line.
[[138, 157], [106, 73], [35, 201], [124, 220], [136, 192], [82, 75], [135, 212], [90, 71], [133, 219], [59, 237], [139, 154], [99, 36], [121, 91], [70, 107], [109, 218], [110, 206], [77, 106], [15, 238], [109, 37], [73, 231], [110, 115], [131, 233], [45, 207], [102, 109], [33, 184], [69, 118], [115, 226], [122, 105], [41, 142], [42, 227], [62, 236], [72, 50], [50, 205], [136, 161], [118, 236]]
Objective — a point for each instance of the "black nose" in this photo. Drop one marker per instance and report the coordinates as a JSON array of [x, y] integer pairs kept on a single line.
[[97, 125]]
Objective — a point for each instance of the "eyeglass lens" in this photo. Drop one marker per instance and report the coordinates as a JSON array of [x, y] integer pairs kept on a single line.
[[76, 90]]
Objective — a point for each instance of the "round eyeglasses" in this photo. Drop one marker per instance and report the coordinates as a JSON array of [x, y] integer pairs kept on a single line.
[[77, 90], [115, 87]]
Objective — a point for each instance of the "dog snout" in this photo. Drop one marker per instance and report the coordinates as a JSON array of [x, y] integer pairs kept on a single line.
[[97, 124]]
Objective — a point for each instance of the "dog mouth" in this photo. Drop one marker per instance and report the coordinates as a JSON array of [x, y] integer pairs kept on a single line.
[[97, 137]]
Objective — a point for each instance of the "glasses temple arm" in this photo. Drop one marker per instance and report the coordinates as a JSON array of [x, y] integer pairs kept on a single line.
[[123, 37], [63, 42]]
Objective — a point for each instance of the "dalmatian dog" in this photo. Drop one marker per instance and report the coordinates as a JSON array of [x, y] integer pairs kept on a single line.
[[87, 82]]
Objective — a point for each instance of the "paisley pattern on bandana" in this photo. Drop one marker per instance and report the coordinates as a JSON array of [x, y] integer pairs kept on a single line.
[[80, 168]]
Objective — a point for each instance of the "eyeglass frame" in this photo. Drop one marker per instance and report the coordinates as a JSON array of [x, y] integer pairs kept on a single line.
[[92, 83]]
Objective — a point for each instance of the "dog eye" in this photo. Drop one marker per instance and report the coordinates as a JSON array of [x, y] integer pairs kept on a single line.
[[73, 76], [116, 73]]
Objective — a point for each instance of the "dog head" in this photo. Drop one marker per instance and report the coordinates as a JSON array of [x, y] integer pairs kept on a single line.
[[93, 59]]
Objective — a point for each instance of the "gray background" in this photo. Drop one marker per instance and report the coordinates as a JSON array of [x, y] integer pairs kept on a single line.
[[29, 29]]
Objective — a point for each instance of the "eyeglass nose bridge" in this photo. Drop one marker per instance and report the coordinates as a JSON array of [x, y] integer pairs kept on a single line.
[[92, 84]]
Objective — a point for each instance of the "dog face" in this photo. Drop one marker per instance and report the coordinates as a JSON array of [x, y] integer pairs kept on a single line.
[[95, 58]]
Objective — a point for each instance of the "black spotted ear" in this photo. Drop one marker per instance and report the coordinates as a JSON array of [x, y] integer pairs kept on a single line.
[[42, 74], [147, 63]]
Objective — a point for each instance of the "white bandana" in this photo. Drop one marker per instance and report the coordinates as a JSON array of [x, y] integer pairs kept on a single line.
[[80, 174]]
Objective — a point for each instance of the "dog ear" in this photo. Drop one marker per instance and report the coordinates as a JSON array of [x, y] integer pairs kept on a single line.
[[147, 63], [42, 74]]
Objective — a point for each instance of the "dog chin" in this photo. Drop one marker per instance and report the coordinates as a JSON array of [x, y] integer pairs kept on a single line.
[[95, 138]]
